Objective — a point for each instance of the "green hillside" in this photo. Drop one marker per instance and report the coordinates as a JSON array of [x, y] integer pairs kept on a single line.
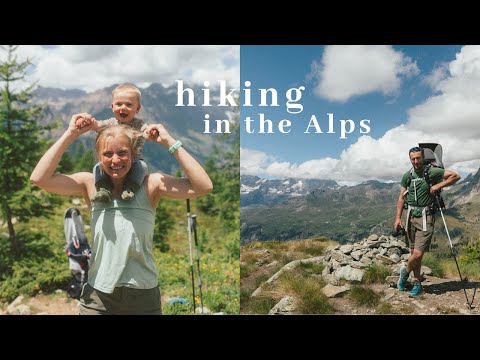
[[43, 265]]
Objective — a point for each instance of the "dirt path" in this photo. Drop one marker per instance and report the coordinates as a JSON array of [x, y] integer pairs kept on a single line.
[[52, 304], [442, 296], [46, 305]]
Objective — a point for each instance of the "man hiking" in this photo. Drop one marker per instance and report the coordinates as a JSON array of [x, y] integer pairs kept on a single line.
[[422, 183]]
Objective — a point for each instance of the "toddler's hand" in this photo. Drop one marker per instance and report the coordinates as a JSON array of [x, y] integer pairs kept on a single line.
[[82, 122]]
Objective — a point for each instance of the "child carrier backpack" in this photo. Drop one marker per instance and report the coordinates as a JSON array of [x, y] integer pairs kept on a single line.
[[77, 250], [432, 158]]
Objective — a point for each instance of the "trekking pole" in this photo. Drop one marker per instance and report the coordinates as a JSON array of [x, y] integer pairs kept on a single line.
[[189, 227], [453, 252], [194, 225]]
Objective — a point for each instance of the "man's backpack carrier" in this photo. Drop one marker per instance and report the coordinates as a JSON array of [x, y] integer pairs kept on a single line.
[[432, 158], [77, 250]]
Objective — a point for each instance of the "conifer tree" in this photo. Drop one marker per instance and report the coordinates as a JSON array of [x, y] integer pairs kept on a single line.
[[21, 145]]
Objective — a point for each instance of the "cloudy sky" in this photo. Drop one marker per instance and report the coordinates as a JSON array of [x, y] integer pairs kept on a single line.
[[410, 94], [91, 67]]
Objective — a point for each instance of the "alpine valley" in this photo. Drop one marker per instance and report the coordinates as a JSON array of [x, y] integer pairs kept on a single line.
[[290, 209]]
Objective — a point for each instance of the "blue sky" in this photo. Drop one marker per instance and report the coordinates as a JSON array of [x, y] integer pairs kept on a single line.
[[410, 94]]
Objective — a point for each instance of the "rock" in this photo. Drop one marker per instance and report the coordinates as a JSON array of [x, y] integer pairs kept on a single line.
[[367, 261], [284, 307], [394, 250], [384, 259], [14, 304], [335, 264], [373, 237], [18, 300], [327, 270], [395, 258], [257, 292], [289, 266], [356, 255], [357, 264], [349, 273], [317, 259], [346, 249], [340, 257], [76, 202], [372, 244], [401, 243], [331, 279], [198, 310], [331, 291], [425, 270], [19, 310], [272, 264], [332, 247]]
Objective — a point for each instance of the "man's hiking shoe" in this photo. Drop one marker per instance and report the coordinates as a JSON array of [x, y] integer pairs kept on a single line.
[[102, 195], [417, 289], [402, 279]]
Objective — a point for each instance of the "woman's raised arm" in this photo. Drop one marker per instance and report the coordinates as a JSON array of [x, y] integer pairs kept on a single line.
[[43, 175], [196, 183]]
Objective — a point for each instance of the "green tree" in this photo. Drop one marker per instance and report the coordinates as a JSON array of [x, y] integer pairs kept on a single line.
[[163, 224], [21, 145], [83, 158], [223, 167]]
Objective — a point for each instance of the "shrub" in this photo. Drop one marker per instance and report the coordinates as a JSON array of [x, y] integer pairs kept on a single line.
[[364, 296], [375, 273]]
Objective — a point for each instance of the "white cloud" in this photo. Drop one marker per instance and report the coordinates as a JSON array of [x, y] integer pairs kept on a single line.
[[451, 117], [350, 70], [384, 159], [455, 110], [254, 161], [90, 67], [466, 167], [438, 74]]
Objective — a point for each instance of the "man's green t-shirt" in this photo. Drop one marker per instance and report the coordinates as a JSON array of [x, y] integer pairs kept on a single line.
[[419, 186]]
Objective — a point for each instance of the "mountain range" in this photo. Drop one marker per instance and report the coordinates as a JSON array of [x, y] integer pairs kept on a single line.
[[254, 190], [158, 106], [300, 208]]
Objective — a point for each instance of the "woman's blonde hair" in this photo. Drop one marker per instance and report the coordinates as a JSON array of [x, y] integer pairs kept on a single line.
[[135, 138]]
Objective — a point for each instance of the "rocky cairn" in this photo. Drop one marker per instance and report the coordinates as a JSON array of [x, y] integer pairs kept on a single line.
[[349, 261]]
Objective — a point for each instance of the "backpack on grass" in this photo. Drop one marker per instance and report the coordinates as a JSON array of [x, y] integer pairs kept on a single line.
[[77, 250]]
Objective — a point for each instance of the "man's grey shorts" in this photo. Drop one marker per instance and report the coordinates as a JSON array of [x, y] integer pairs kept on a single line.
[[420, 239]]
